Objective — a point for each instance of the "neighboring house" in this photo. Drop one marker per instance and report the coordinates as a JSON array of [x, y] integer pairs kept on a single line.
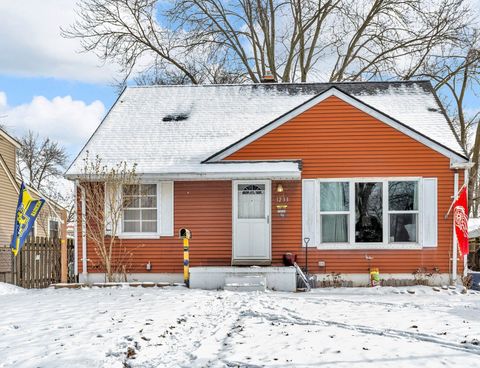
[[48, 223], [474, 236], [366, 171]]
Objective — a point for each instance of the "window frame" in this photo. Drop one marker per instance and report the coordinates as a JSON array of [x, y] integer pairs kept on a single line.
[[385, 244], [397, 212], [51, 219], [326, 213], [143, 235]]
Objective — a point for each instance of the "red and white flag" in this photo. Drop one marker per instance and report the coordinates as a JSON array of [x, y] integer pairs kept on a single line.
[[460, 217]]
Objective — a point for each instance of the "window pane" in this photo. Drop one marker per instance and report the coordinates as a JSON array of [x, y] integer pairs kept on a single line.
[[131, 226], [149, 226], [149, 202], [251, 201], [334, 228], [148, 189], [53, 229], [403, 227], [131, 189], [131, 202], [149, 215], [368, 213], [334, 197], [131, 214], [403, 195]]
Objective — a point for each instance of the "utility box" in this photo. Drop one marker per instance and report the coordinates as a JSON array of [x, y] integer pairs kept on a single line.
[[185, 234]]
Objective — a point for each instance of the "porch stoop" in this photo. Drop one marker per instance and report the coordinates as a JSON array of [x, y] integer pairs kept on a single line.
[[234, 277], [249, 282]]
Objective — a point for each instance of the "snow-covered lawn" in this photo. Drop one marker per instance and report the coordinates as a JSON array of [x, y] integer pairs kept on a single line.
[[177, 327]]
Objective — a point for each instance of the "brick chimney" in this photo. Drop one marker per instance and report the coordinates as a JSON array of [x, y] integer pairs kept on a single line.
[[268, 78]]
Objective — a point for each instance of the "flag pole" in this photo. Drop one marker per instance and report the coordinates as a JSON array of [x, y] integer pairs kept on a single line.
[[466, 177], [454, 237], [455, 197]]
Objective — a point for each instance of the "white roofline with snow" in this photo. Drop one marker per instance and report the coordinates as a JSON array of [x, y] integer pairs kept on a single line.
[[454, 157], [279, 170]]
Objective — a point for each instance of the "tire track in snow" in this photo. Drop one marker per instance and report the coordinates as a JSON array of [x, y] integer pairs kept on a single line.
[[294, 318]]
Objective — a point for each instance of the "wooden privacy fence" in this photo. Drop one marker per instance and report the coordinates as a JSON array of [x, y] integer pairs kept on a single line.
[[38, 264]]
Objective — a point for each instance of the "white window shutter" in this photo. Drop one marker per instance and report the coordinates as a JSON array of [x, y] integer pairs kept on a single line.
[[429, 211], [108, 210], [309, 211], [166, 208]]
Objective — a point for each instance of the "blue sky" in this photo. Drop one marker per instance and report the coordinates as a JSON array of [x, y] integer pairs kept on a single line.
[[20, 90], [46, 85]]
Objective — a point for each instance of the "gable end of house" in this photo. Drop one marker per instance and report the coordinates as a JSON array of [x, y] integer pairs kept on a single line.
[[455, 157]]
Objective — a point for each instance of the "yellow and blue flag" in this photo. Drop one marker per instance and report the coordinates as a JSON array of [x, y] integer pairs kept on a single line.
[[25, 216]]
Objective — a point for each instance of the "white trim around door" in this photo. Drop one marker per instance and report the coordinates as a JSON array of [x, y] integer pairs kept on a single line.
[[251, 222]]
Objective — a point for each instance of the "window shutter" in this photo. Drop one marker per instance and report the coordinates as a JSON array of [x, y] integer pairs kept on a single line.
[[309, 211], [429, 211], [107, 212], [166, 208]]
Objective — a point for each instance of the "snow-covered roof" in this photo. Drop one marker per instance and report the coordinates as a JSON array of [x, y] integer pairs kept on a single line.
[[474, 227], [172, 129]]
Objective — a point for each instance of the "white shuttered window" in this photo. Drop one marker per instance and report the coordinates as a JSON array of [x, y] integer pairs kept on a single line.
[[147, 210], [370, 213]]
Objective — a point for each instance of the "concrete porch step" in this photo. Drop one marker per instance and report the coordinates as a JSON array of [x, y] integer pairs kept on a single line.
[[247, 282]]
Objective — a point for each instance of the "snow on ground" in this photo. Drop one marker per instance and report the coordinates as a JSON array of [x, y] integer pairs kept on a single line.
[[177, 327]]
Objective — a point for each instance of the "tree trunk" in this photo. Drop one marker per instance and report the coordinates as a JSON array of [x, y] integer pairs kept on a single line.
[[474, 173]]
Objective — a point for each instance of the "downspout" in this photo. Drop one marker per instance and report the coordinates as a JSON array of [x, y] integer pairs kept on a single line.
[[458, 166], [75, 230], [466, 177], [84, 233], [454, 242]]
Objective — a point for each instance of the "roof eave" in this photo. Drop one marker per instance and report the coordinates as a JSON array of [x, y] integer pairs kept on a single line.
[[227, 170], [9, 138]]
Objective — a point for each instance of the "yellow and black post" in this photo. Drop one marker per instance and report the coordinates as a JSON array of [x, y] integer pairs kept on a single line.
[[186, 235]]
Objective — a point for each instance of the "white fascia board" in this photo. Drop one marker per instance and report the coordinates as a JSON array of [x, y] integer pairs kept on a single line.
[[454, 157], [276, 175], [281, 170], [461, 165]]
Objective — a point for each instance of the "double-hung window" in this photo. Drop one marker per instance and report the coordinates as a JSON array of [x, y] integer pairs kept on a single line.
[[334, 211], [368, 212], [403, 211], [140, 208], [53, 229]]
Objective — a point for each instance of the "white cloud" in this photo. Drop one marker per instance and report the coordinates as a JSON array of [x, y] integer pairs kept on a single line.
[[31, 44], [3, 100], [70, 122]]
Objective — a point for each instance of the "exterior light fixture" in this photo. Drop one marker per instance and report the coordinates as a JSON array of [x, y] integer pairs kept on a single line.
[[279, 188]]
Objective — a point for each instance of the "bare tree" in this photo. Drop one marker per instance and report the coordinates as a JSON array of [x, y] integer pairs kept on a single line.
[[393, 37], [335, 40], [455, 71], [40, 159], [103, 187]]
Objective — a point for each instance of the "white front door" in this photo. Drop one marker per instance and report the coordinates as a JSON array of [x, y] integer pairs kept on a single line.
[[251, 222]]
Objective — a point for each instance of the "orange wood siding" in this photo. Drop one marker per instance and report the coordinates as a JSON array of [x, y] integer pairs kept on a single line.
[[204, 208], [336, 140]]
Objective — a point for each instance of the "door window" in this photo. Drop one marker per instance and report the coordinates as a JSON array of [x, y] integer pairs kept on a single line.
[[251, 201]]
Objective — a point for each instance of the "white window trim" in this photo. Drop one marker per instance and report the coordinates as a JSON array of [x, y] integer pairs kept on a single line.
[[139, 235], [35, 228], [351, 245]]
